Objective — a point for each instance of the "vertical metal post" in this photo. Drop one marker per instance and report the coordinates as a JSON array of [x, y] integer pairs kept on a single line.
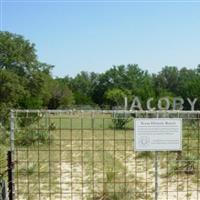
[[10, 176], [156, 169], [12, 131], [156, 175], [11, 158], [125, 103], [46, 120]]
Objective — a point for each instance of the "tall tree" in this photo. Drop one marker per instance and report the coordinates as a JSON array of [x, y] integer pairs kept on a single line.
[[22, 73], [167, 80], [82, 85], [62, 96]]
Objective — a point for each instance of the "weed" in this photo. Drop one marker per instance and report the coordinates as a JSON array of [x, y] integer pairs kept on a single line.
[[120, 120], [29, 170], [29, 137], [52, 126], [185, 165], [144, 154]]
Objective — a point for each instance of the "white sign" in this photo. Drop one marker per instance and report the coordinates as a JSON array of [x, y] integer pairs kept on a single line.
[[158, 134]]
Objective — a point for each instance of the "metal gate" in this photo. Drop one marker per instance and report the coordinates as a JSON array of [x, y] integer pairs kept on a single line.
[[76, 155]]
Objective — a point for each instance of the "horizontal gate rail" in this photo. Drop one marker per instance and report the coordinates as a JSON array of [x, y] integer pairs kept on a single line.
[[111, 111]]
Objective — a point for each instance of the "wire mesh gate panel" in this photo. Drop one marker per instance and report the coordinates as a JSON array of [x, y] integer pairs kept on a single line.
[[89, 155]]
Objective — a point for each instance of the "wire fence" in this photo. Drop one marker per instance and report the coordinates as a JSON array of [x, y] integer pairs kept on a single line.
[[80, 155]]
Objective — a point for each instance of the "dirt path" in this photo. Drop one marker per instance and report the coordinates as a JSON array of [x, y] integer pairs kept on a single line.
[[178, 189], [72, 185], [172, 191]]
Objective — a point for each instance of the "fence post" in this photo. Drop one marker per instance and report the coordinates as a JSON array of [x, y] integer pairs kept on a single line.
[[11, 159], [156, 175], [12, 131], [10, 176], [156, 169]]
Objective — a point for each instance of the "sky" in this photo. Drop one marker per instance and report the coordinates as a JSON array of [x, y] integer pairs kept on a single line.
[[78, 36]]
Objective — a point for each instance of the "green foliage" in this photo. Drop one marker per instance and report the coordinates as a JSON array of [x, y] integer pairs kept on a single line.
[[29, 137], [115, 96], [183, 165], [29, 170], [167, 79], [184, 83], [38, 94], [11, 91], [110, 175], [120, 120], [122, 192], [61, 96], [3, 163], [130, 78], [144, 154], [16, 53], [26, 82], [82, 86], [27, 119], [52, 126], [3, 152]]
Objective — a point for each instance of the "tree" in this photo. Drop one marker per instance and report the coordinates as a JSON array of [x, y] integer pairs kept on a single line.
[[39, 88], [183, 83], [189, 84], [167, 80], [11, 90], [131, 78], [25, 78], [112, 78], [16, 53], [62, 96], [82, 86], [115, 97]]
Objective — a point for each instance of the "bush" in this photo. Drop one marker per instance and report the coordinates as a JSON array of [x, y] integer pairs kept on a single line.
[[120, 120], [145, 154], [30, 137], [29, 170], [52, 126], [24, 119], [184, 165], [3, 163]]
